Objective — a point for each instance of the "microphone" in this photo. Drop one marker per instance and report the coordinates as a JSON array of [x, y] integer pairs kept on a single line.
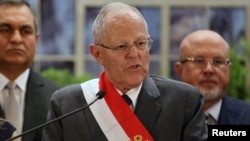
[[99, 95]]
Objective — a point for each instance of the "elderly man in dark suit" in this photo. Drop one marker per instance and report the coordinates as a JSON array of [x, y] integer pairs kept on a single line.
[[156, 108], [25, 104]]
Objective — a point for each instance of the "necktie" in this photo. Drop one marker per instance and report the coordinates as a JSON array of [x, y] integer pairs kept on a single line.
[[12, 104], [210, 119], [127, 99]]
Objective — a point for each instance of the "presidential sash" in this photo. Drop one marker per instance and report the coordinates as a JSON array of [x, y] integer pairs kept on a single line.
[[116, 119]]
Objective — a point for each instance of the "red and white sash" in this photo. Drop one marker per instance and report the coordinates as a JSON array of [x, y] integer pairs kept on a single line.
[[115, 117]]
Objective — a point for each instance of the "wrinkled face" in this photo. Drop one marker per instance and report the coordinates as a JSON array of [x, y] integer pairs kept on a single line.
[[125, 69], [17, 36], [212, 80]]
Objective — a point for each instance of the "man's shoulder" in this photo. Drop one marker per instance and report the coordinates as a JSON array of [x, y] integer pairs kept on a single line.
[[37, 77], [171, 82], [175, 88], [239, 102], [71, 90]]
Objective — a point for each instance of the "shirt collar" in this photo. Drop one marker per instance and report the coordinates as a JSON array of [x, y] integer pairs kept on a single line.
[[3, 81], [21, 80], [133, 93], [214, 110]]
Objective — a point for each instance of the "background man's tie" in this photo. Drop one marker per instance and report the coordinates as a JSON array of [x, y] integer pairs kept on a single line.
[[210, 119], [12, 104]]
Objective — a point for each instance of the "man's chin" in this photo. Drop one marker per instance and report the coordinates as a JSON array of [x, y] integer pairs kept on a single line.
[[210, 94]]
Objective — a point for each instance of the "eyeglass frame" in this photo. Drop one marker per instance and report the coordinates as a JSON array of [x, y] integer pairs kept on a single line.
[[126, 47], [205, 60]]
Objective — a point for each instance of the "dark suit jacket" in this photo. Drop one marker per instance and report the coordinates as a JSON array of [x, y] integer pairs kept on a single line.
[[38, 94], [170, 111], [234, 111]]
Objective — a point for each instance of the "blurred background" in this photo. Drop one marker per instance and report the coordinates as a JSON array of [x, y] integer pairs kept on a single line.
[[65, 33]]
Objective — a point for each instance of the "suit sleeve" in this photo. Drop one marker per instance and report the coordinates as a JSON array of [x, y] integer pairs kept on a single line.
[[53, 132], [196, 126]]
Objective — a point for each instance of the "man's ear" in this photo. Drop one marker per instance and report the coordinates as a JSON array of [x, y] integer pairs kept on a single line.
[[95, 51], [178, 69]]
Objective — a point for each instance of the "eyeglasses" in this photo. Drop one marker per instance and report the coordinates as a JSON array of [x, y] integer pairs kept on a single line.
[[201, 61], [140, 45]]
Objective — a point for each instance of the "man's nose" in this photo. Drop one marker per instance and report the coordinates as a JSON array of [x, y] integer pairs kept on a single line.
[[209, 64], [16, 36]]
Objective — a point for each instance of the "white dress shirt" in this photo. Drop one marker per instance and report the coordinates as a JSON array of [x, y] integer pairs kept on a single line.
[[214, 110], [21, 82]]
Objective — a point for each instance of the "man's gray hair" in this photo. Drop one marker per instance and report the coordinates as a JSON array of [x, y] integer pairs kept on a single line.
[[98, 28]]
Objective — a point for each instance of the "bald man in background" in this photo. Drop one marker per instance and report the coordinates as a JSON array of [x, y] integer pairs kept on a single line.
[[205, 63]]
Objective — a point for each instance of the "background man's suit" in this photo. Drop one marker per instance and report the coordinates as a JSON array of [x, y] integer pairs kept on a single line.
[[234, 111], [38, 94]]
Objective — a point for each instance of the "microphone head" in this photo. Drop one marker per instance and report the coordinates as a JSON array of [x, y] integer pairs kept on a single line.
[[100, 94]]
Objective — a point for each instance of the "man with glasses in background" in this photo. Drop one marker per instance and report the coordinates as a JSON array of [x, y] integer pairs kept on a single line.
[[205, 64], [155, 108]]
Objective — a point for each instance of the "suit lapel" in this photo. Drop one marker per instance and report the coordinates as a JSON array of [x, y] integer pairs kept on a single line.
[[230, 112], [33, 98], [147, 104]]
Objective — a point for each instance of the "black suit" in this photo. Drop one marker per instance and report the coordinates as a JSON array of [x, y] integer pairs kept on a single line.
[[170, 111], [37, 97]]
